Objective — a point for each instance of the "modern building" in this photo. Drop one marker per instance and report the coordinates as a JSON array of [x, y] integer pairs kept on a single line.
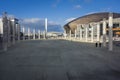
[[1, 32], [14, 27], [54, 34], [9, 31], [1, 27], [92, 27]]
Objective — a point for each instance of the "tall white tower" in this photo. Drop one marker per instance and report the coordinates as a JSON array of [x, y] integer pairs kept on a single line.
[[45, 28]]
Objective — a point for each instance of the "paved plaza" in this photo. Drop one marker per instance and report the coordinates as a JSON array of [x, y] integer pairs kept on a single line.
[[59, 60]]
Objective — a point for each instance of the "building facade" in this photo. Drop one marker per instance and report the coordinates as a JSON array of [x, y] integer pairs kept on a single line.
[[9, 31], [93, 27]]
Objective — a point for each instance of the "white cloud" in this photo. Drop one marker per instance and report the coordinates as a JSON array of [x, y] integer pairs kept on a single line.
[[11, 16], [56, 3], [91, 12], [31, 20], [106, 9], [38, 23], [52, 23], [87, 1], [69, 19], [77, 7], [75, 0]]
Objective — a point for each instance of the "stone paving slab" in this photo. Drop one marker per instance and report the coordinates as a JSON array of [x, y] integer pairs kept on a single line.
[[59, 60]]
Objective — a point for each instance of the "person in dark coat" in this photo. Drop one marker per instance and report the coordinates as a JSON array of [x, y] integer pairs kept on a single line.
[[96, 44], [99, 44]]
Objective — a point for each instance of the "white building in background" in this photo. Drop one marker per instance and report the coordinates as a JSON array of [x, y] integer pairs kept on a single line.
[[94, 27], [95, 30], [1, 27], [14, 25], [54, 34], [11, 29]]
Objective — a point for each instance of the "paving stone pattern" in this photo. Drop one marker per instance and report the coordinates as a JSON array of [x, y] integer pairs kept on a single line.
[[59, 60]]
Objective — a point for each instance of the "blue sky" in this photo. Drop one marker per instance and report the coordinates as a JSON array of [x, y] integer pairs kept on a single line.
[[58, 12]]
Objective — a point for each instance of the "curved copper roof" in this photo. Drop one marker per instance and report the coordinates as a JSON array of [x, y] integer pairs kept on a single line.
[[96, 17]]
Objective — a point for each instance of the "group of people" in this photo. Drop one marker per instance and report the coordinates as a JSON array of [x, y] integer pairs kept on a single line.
[[98, 44]]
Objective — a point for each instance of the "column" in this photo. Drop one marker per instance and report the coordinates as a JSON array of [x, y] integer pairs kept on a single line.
[[1, 32], [83, 31], [77, 30], [34, 34], [80, 32], [110, 47], [38, 34], [104, 32], [86, 33], [92, 34], [23, 29], [28, 33], [98, 32], [5, 32], [44, 35], [45, 28], [75, 34], [9, 33], [13, 32], [18, 31], [65, 33], [70, 33], [41, 33]]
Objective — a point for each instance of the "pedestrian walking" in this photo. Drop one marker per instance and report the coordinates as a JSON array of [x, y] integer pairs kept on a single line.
[[99, 44], [96, 44]]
